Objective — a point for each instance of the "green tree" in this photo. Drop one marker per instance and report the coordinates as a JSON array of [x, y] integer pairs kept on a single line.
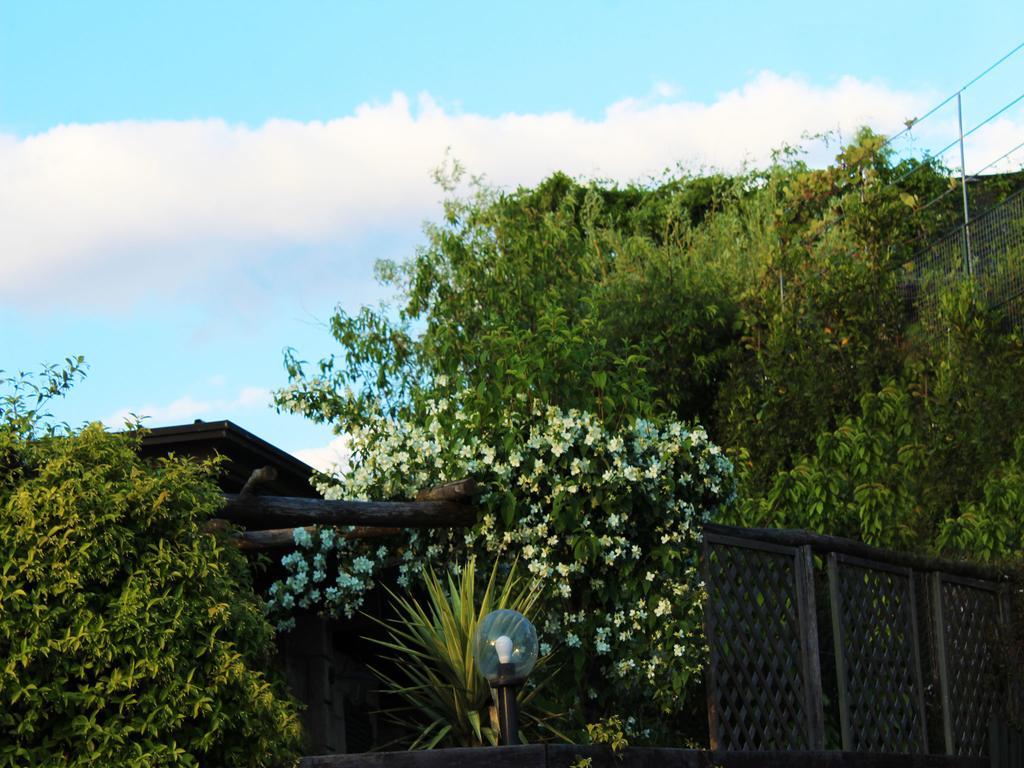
[[827, 322], [128, 635], [603, 299], [770, 306]]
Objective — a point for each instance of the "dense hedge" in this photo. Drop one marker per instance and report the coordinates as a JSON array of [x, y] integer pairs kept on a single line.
[[128, 636]]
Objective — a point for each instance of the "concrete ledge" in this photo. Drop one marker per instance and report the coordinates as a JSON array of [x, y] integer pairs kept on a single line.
[[564, 755]]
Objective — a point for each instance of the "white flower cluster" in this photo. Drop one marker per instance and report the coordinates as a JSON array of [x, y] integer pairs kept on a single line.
[[323, 575], [609, 521]]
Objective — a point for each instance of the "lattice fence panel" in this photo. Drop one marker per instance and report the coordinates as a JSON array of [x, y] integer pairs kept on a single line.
[[877, 656], [973, 688], [764, 682]]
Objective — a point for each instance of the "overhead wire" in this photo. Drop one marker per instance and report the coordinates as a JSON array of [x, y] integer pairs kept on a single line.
[[971, 177], [913, 122], [929, 157], [918, 210]]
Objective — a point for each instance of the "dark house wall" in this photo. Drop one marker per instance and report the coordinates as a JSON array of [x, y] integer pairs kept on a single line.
[[322, 660]]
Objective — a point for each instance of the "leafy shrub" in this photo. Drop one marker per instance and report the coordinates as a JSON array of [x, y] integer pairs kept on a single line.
[[991, 528], [826, 323], [932, 460], [608, 731], [863, 482], [601, 299], [128, 636]]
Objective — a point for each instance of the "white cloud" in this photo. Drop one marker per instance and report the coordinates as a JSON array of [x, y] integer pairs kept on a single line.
[[252, 397], [108, 214], [988, 146], [182, 410], [187, 409], [333, 457]]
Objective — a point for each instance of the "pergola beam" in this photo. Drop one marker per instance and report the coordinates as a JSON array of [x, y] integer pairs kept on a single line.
[[275, 518], [254, 511], [284, 538]]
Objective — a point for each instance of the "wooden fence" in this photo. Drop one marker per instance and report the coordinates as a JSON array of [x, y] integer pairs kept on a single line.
[[914, 644]]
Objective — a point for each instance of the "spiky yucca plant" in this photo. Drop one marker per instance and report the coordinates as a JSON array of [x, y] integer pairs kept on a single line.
[[447, 702]]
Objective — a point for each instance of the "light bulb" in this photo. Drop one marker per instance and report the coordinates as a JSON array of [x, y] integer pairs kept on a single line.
[[503, 645]]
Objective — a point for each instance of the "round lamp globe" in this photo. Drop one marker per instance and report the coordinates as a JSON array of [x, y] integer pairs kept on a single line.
[[505, 647]]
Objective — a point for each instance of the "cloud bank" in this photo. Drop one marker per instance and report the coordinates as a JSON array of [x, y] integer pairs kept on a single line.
[[188, 408], [333, 458], [105, 214]]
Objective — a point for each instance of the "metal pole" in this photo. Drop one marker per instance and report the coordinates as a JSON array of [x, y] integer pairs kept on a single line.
[[963, 185], [508, 714]]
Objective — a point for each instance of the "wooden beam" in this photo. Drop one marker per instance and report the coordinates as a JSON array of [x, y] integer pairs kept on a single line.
[[284, 538], [291, 512], [459, 490], [443, 506]]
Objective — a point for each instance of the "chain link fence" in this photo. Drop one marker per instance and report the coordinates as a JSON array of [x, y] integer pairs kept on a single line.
[[990, 248]]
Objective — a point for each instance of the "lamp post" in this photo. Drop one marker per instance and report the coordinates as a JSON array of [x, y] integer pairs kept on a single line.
[[505, 647]]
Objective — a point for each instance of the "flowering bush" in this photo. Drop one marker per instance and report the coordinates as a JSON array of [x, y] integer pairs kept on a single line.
[[607, 520]]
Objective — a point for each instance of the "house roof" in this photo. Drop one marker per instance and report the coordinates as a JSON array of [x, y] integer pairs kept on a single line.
[[243, 450]]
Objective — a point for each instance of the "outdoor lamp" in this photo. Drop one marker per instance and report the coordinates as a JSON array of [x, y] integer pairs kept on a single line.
[[505, 647]]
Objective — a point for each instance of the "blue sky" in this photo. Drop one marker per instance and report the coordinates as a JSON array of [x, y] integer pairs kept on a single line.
[[186, 188]]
